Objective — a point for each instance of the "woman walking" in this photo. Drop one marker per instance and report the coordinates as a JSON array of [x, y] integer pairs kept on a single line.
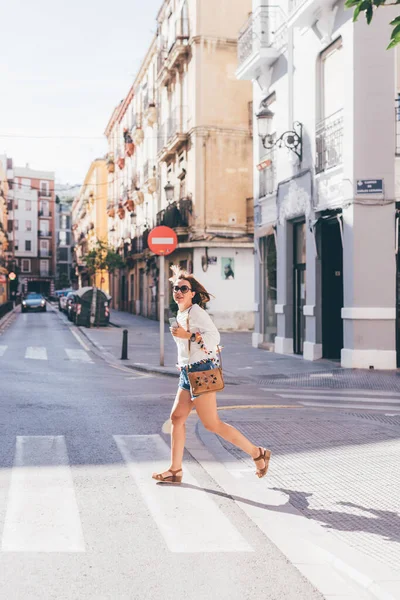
[[197, 340]]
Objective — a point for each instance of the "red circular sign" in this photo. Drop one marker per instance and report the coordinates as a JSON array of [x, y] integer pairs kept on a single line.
[[162, 240]]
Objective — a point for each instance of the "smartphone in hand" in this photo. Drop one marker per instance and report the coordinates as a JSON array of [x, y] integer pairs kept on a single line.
[[173, 322]]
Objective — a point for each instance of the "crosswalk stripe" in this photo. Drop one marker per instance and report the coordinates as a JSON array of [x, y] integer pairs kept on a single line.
[[351, 405], [335, 398], [2, 350], [42, 512], [36, 353], [186, 516], [78, 354]]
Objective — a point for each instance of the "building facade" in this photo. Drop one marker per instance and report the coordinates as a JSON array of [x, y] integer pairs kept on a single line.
[[89, 224], [31, 218], [324, 181], [3, 230], [63, 241], [186, 134]]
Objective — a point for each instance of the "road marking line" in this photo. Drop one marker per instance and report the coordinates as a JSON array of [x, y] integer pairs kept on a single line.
[[42, 513], [349, 405], [330, 391], [77, 354], [345, 399], [36, 353], [2, 350], [82, 343], [188, 519]]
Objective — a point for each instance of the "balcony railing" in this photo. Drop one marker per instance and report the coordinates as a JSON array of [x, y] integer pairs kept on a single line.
[[44, 193], [44, 233], [264, 29], [329, 142], [139, 243], [175, 125], [177, 214], [398, 125], [45, 253], [45, 214]]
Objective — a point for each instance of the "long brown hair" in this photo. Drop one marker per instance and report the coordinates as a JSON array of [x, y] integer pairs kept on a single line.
[[201, 296]]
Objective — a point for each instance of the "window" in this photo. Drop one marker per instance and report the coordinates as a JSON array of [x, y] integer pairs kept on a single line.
[[63, 238], [15, 224], [10, 226], [28, 245], [44, 188], [44, 268], [25, 183], [44, 227], [28, 205], [331, 79], [44, 247], [26, 265], [28, 225], [63, 254], [63, 221], [45, 208]]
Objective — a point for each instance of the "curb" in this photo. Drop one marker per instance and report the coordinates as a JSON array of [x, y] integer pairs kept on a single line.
[[7, 317]]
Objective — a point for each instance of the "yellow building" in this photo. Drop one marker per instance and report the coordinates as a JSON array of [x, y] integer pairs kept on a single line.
[[89, 223], [3, 228]]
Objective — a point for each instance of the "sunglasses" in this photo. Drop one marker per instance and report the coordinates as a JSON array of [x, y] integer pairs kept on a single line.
[[184, 289]]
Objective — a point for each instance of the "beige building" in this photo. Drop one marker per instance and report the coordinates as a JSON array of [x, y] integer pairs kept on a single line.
[[3, 228], [89, 220], [189, 120]]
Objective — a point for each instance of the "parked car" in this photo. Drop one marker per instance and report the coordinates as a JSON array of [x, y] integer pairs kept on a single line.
[[70, 305], [35, 302], [62, 299]]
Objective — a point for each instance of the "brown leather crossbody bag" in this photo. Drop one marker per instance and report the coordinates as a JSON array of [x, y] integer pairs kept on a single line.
[[204, 382]]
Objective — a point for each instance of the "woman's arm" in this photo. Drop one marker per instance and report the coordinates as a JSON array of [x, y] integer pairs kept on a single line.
[[207, 336]]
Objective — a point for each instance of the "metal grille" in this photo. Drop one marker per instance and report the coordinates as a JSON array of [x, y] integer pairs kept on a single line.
[[329, 142]]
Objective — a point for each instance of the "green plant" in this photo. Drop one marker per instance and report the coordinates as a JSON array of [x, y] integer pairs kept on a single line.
[[368, 7], [103, 258]]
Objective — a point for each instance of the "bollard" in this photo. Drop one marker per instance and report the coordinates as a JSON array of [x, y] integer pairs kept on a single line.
[[124, 354]]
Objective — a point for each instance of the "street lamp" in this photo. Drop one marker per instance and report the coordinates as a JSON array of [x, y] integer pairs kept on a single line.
[[169, 192], [292, 139]]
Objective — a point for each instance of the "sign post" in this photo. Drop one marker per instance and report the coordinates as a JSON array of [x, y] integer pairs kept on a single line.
[[162, 241]]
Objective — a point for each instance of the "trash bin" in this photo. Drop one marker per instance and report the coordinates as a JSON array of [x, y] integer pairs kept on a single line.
[[84, 306]]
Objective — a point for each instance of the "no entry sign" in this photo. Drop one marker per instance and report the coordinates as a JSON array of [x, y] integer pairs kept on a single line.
[[162, 240]]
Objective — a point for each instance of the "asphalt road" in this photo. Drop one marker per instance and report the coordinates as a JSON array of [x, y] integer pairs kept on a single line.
[[80, 516]]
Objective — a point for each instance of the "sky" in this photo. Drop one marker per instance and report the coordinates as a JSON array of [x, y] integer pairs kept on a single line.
[[64, 66]]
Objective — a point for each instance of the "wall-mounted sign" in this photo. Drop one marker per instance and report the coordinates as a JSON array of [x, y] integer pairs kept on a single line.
[[264, 164], [212, 260], [369, 186]]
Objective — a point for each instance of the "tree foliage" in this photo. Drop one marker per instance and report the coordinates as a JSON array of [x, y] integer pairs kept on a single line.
[[368, 7], [103, 258]]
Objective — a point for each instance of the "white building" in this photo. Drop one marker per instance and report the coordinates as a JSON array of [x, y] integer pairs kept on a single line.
[[324, 88]]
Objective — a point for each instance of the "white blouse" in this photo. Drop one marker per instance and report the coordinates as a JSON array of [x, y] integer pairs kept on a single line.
[[199, 322]]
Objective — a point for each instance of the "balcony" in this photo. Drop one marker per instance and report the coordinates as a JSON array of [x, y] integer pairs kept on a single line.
[[177, 215], [261, 41], [45, 234], [44, 194], [173, 50], [329, 142], [45, 214], [173, 133], [304, 13], [139, 243], [45, 253]]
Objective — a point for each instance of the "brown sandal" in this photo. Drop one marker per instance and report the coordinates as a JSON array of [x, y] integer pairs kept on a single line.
[[174, 478], [265, 455]]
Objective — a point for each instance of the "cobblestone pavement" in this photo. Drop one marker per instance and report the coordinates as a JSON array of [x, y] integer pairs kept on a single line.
[[339, 469]]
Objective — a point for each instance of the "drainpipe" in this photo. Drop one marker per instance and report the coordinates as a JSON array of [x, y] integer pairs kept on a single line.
[[290, 76]]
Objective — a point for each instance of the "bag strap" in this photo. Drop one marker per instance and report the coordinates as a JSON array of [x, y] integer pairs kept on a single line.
[[189, 342]]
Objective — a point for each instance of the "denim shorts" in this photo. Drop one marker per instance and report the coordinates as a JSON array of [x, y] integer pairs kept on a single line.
[[205, 365]]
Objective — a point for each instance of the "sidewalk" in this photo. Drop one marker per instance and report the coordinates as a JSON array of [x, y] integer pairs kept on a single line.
[[241, 362]]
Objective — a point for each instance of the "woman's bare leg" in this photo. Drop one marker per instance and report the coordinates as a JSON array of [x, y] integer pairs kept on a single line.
[[180, 412], [206, 407]]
